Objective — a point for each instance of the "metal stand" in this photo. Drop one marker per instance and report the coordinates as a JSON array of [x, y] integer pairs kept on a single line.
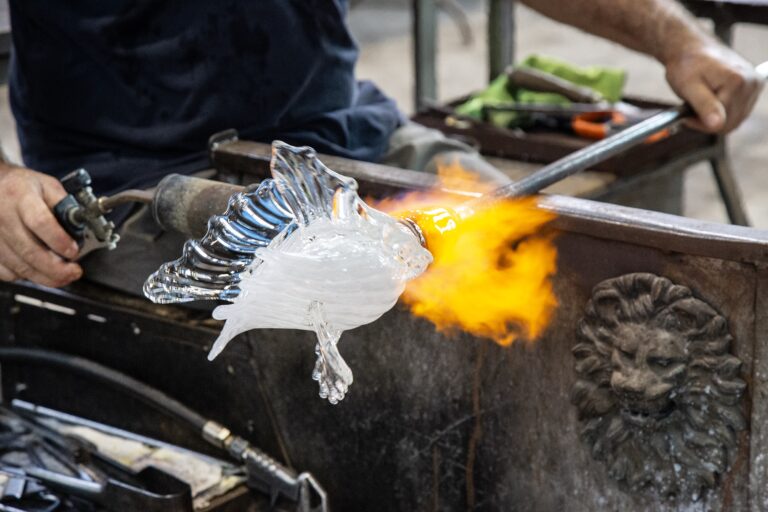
[[724, 15], [501, 36], [501, 43], [721, 166], [728, 186], [424, 51]]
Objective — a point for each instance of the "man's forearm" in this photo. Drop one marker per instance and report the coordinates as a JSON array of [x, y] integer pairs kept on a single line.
[[660, 28]]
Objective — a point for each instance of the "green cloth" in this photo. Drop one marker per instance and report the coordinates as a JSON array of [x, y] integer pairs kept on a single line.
[[609, 82]]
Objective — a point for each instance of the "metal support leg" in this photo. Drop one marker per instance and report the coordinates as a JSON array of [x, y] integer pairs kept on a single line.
[[729, 189], [721, 166], [425, 51], [501, 36]]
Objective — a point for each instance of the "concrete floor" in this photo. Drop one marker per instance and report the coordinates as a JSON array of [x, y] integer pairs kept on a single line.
[[382, 29]]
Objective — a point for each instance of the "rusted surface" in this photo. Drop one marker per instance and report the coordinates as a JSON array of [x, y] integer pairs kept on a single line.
[[758, 456], [249, 161], [662, 231]]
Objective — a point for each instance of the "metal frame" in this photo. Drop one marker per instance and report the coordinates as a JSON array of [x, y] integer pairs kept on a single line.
[[724, 15], [500, 38], [424, 51]]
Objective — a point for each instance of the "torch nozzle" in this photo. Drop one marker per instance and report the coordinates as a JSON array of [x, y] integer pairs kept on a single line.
[[426, 224]]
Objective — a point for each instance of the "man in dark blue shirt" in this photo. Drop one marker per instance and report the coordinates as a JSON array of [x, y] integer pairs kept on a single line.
[[132, 89]]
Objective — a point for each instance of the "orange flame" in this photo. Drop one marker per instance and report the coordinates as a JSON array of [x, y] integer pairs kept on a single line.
[[493, 265]]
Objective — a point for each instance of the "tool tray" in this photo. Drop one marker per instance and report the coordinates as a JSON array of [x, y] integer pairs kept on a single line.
[[546, 147]]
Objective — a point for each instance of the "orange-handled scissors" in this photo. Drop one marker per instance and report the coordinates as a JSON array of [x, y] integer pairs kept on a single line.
[[603, 123]]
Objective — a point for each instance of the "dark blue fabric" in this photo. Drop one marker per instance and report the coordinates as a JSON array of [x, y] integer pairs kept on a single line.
[[132, 89]]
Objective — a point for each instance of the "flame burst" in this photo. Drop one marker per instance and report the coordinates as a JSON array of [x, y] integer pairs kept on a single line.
[[493, 264]]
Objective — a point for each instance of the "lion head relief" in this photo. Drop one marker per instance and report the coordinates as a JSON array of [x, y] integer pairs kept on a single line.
[[658, 391]]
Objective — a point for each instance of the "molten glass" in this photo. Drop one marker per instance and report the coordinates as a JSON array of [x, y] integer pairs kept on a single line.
[[493, 261]]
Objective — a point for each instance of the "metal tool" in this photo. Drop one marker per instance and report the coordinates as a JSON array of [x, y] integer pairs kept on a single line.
[[167, 492], [82, 214], [69, 465], [535, 80]]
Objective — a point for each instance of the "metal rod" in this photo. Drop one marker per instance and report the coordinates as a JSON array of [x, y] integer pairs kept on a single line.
[[425, 51], [592, 154], [501, 36], [728, 187], [107, 203]]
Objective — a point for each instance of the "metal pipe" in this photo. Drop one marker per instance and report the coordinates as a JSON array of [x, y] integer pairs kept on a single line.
[[592, 154], [425, 49], [108, 203], [184, 204]]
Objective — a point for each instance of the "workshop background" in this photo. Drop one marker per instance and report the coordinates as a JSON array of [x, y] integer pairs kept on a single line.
[[383, 29]]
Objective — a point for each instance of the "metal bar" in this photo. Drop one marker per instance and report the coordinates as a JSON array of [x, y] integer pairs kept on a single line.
[[588, 156], [658, 230], [501, 36], [728, 187], [424, 51]]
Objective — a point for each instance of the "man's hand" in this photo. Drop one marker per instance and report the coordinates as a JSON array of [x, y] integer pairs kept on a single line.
[[721, 86], [33, 245]]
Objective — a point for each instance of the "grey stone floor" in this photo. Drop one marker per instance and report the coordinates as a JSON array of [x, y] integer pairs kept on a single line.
[[382, 28]]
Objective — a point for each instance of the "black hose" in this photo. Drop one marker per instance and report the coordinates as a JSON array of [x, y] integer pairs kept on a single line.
[[150, 396]]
